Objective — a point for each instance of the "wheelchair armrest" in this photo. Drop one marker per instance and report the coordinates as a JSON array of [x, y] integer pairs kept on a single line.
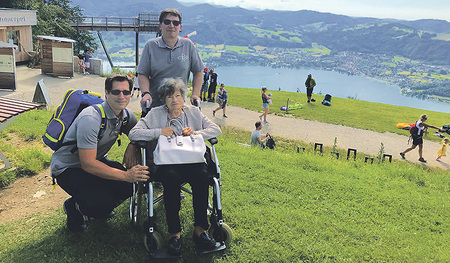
[[141, 144], [213, 141]]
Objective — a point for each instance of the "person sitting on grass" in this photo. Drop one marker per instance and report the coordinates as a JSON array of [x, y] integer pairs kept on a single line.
[[257, 139], [222, 98]]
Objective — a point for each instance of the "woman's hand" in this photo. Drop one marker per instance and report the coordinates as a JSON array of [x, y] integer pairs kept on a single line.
[[167, 131], [187, 131]]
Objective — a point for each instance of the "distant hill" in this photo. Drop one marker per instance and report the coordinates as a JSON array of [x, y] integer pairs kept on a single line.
[[416, 40]]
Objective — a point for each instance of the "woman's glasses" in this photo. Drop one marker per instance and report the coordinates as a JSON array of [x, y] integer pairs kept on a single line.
[[117, 92], [174, 22]]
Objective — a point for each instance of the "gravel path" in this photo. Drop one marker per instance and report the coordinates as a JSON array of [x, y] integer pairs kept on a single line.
[[308, 131]]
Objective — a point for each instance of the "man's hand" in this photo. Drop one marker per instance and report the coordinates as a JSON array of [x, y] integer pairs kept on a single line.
[[145, 98], [194, 98], [136, 174]]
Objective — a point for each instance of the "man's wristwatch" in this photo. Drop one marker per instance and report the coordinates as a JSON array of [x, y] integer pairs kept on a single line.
[[145, 93]]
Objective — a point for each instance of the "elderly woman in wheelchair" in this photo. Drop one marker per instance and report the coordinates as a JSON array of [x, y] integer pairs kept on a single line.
[[172, 119]]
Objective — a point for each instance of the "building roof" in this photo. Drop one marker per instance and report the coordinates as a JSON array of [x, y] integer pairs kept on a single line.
[[4, 44], [57, 39], [11, 107]]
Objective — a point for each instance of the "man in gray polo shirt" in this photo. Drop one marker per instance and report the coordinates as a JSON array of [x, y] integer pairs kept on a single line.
[[97, 185], [168, 56]]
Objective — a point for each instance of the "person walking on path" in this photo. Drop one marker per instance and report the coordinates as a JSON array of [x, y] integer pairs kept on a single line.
[[222, 98], [417, 137], [443, 150], [265, 104], [212, 85], [310, 83], [168, 56], [204, 89]]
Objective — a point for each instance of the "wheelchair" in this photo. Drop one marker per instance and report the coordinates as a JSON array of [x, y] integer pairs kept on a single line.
[[143, 193]]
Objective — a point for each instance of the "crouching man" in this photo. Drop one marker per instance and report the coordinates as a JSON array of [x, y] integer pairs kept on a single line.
[[97, 185]]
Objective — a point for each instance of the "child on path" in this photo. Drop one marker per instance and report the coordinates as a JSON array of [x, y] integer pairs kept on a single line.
[[443, 150], [136, 86], [265, 104]]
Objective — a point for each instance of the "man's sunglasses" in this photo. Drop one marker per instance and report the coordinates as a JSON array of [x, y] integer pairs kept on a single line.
[[174, 22], [117, 92]]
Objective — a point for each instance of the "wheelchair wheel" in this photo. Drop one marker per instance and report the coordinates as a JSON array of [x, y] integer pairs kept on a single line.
[[153, 241], [227, 234], [136, 205]]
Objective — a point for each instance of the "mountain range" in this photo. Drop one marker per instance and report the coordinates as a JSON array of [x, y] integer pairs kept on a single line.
[[427, 40]]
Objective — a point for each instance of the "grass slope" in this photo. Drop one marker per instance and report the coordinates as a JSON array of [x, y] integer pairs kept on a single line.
[[282, 206]]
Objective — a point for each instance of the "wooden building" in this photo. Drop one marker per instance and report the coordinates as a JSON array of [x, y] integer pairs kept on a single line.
[[15, 28], [57, 56], [8, 78]]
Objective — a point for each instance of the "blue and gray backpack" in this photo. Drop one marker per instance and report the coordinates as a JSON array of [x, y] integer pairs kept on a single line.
[[74, 102]]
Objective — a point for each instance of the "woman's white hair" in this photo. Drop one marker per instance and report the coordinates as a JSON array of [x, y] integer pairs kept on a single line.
[[169, 86]]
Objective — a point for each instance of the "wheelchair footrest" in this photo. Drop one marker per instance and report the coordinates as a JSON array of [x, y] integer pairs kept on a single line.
[[163, 254], [219, 247]]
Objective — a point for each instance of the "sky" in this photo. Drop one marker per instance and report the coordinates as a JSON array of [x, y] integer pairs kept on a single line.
[[398, 9]]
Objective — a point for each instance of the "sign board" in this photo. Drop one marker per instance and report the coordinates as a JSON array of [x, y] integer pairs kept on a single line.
[[7, 63], [41, 94], [62, 55], [14, 17]]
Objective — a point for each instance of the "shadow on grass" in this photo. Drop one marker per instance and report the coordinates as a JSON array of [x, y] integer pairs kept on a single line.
[[113, 240]]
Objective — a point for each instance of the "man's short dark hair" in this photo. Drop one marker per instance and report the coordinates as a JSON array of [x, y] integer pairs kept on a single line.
[[167, 12], [257, 124], [117, 77]]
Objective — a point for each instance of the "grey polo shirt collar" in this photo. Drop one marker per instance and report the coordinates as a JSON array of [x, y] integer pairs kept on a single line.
[[162, 44], [110, 113]]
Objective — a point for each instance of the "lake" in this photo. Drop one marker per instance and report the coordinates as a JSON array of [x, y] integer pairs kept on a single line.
[[334, 83]]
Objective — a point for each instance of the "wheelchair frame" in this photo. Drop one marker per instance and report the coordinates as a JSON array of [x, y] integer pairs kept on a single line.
[[153, 240]]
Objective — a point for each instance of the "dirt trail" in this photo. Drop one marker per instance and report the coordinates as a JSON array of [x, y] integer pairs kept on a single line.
[[17, 201]]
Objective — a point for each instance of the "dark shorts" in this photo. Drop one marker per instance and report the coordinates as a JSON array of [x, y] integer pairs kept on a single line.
[[212, 88], [136, 88], [417, 139], [309, 92], [224, 104]]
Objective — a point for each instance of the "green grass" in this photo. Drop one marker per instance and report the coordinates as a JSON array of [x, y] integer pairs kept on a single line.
[[282, 207], [348, 112]]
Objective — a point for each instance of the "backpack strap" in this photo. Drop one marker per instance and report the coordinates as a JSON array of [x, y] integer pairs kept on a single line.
[[101, 111], [124, 124]]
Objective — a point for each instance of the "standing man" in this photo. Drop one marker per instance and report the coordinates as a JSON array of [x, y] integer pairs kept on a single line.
[[96, 184], [168, 56], [417, 135], [310, 83], [204, 84], [212, 85], [87, 59]]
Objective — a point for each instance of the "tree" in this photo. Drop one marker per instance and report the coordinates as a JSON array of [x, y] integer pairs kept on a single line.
[[54, 18]]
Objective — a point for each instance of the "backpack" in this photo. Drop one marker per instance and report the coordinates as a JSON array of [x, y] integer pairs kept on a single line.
[[73, 103], [413, 129], [327, 100], [270, 143]]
